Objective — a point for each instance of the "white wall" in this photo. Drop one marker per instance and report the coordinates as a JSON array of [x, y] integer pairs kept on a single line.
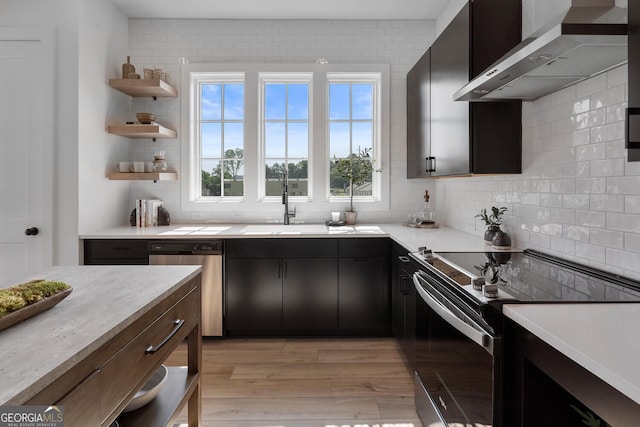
[[103, 47], [91, 40], [62, 15], [577, 196], [161, 43]]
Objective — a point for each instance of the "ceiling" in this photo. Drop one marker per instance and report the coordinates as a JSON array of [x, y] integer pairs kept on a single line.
[[282, 9]]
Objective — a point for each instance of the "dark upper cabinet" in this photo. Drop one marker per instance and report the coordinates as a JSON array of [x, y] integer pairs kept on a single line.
[[465, 138], [418, 117]]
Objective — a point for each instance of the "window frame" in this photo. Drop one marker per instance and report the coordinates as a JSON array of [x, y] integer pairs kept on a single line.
[[270, 208], [222, 79], [265, 77], [375, 78]]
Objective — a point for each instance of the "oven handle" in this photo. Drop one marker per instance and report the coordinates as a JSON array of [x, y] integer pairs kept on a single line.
[[475, 334]]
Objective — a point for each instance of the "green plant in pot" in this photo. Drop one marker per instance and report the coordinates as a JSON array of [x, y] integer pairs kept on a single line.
[[493, 220], [356, 170]]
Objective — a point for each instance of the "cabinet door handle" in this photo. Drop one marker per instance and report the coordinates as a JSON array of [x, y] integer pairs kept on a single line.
[[176, 327], [404, 259], [431, 164]]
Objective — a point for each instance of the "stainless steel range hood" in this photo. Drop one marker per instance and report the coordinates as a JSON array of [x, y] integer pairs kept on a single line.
[[583, 42]]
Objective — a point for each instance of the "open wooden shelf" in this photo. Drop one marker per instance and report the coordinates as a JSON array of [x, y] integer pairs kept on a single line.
[[153, 130], [164, 409], [143, 176], [143, 87]]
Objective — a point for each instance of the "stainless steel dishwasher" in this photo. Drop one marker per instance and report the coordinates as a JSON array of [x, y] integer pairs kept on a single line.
[[206, 253]]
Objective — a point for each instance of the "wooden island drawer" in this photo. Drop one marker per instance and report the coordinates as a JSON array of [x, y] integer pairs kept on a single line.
[[146, 352]]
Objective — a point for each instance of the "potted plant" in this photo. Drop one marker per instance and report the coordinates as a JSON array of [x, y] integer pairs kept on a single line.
[[356, 169], [493, 220]]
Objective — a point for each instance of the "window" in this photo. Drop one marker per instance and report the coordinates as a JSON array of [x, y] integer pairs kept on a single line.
[[221, 137], [353, 128], [285, 132], [246, 124]]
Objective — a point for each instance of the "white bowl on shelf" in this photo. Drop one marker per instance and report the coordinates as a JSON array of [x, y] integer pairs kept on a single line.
[[148, 391]]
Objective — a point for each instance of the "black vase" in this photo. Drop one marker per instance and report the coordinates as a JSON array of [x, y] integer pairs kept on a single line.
[[491, 231], [501, 240]]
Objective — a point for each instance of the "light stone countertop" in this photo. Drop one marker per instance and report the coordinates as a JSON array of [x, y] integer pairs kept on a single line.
[[602, 338], [443, 239], [104, 301]]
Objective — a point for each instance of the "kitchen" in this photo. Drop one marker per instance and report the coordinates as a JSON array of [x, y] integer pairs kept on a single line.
[[577, 195]]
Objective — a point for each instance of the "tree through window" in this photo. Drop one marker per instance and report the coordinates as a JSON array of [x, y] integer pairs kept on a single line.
[[221, 138]]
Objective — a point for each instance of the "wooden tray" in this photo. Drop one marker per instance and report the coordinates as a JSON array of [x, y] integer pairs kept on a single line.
[[33, 309], [423, 225]]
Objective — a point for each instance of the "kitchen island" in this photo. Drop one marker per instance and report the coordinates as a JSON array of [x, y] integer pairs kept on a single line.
[[91, 352]]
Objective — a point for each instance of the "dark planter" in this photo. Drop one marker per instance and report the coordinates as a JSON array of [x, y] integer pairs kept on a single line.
[[491, 231], [501, 240]]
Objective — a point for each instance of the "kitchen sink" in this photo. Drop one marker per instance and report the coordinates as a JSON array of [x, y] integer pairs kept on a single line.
[[285, 229]]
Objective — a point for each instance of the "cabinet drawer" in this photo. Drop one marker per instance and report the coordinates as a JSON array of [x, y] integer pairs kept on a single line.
[[281, 248], [363, 247], [115, 249], [161, 336], [77, 413]]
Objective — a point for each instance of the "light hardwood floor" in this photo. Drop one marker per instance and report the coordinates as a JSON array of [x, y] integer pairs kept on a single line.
[[312, 382]]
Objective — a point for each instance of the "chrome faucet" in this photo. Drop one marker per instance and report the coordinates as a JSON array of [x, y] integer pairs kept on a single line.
[[285, 198]]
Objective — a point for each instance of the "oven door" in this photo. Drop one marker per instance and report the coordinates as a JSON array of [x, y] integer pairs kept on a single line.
[[457, 375]]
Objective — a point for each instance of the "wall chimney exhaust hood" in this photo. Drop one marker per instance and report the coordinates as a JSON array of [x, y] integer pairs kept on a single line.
[[583, 42]]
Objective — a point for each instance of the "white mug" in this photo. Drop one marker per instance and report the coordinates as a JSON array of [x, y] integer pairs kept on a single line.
[[136, 167], [148, 166], [122, 166], [335, 216]]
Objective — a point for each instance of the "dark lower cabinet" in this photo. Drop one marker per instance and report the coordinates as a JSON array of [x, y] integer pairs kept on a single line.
[[363, 295], [546, 388], [314, 287], [309, 295], [253, 294], [281, 295], [403, 302], [115, 252]]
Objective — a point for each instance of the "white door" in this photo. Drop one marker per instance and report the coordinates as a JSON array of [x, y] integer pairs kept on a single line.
[[26, 138]]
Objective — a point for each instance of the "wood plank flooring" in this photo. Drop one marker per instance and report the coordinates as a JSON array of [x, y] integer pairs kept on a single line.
[[300, 382]]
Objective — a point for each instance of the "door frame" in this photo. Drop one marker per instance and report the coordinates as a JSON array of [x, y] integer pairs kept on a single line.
[[47, 113]]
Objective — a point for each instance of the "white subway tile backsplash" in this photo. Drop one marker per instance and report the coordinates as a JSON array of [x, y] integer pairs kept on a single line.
[[575, 201], [563, 246], [632, 242], [588, 207], [617, 76], [591, 185], [611, 167], [574, 232], [551, 200], [623, 259], [590, 152], [623, 222], [591, 218], [590, 252], [606, 238], [623, 185], [591, 86]]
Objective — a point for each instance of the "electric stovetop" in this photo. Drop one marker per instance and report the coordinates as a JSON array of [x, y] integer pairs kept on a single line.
[[531, 276]]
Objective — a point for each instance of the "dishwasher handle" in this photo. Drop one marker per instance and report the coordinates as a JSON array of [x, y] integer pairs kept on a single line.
[[205, 247]]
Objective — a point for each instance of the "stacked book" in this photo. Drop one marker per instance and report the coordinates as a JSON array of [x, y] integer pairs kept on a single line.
[[147, 212]]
